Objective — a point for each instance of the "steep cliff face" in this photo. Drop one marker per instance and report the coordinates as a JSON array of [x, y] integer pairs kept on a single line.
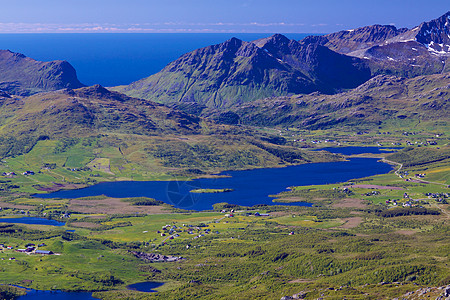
[[22, 75], [236, 72]]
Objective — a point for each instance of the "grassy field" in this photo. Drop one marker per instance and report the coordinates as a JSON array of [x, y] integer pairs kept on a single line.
[[367, 238]]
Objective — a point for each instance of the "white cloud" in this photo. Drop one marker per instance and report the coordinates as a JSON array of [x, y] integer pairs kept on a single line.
[[154, 27]]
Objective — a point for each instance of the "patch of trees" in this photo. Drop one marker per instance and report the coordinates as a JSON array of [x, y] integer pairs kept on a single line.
[[12, 146], [10, 292], [398, 212], [65, 144], [286, 154], [142, 201]]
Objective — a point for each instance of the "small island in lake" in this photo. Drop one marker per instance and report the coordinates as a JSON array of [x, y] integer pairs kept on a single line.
[[211, 191]]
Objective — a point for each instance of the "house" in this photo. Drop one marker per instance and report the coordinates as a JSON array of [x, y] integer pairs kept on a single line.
[[44, 252]]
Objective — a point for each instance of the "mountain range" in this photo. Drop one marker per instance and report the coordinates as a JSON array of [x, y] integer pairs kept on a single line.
[[235, 72], [371, 77]]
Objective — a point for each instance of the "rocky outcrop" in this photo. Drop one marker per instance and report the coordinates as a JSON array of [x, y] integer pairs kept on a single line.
[[155, 257], [24, 76]]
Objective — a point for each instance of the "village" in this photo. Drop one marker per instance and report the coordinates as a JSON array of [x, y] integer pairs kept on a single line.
[[29, 249]]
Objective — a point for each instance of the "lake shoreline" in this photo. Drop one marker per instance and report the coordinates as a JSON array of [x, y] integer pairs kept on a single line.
[[246, 184]]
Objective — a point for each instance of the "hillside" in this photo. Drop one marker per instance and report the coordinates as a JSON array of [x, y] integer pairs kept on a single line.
[[381, 102], [24, 76], [138, 138], [235, 72]]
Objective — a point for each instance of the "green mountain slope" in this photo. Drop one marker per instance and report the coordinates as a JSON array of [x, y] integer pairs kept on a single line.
[[381, 102], [235, 72], [129, 138]]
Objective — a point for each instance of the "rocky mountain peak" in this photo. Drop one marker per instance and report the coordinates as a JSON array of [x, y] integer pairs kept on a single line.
[[231, 45], [435, 34], [276, 39], [8, 54]]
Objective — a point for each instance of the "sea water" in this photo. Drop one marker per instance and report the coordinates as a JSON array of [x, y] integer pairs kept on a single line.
[[112, 59]]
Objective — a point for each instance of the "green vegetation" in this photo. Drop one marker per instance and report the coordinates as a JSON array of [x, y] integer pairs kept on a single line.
[[10, 292], [211, 191], [342, 247], [410, 156], [349, 240]]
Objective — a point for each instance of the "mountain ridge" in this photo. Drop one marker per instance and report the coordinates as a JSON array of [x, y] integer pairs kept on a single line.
[[236, 71]]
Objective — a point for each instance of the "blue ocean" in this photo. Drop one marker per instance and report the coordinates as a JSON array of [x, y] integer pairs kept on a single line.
[[112, 59]]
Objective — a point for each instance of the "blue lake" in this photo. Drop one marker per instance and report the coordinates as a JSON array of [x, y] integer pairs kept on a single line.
[[147, 287], [60, 295], [32, 220], [56, 295], [250, 187]]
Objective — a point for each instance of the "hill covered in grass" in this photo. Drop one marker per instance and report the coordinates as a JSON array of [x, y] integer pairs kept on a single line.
[[91, 134], [382, 102]]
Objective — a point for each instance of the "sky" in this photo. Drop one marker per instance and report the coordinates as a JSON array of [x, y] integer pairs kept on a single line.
[[184, 16]]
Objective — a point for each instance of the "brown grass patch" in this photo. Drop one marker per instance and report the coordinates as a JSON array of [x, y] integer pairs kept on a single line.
[[350, 203], [351, 222], [301, 280], [111, 206], [373, 186], [59, 186], [84, 225], [16, 206], [406, 232]]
